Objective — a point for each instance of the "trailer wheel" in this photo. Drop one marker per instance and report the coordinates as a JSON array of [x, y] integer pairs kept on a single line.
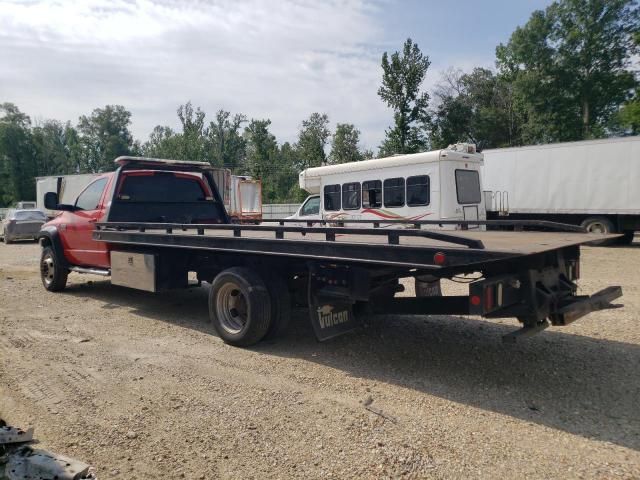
[[280, 306], [239, 306], [52, 274], [599, 225]]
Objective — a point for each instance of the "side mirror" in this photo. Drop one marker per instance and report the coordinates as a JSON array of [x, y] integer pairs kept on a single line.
[[51, 203]]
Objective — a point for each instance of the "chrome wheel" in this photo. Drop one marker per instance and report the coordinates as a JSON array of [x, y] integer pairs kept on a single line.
[[47, 269], [231, 308]]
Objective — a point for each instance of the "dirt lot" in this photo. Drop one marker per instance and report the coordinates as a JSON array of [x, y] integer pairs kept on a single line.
[[139, 386]]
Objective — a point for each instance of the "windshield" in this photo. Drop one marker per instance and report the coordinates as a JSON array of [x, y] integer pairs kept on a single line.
[[35, 215], [311, 207]]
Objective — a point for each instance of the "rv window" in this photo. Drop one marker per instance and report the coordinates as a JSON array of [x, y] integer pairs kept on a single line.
[[468, 186], [332, 197], [351, 196], [311, 207], [418, 191], [394, 192], [372, 194]]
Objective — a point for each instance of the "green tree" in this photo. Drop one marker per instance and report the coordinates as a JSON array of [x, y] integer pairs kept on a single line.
[[344, 144], [55, 148], [477, 107], [192, 142], [312, 140], [263, 159], [104, 136], [163, 143], [17, 165], [227, 147], [569, 65], [402, 76]]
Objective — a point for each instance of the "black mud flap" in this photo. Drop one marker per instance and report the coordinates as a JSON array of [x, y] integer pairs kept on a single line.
[[330, 310], [330, 320]]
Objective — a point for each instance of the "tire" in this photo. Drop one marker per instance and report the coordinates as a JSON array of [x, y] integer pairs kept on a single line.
[[240, 307], [427, 286], [599, 225], [280, 306], [52, 274]]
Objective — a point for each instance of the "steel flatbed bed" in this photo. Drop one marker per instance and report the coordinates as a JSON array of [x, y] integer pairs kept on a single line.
[[407, 247]]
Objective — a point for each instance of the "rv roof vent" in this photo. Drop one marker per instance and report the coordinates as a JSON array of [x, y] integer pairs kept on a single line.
[[463, 147]]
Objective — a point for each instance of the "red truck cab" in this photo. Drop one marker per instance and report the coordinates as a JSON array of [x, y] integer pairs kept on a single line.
[[140, 190]]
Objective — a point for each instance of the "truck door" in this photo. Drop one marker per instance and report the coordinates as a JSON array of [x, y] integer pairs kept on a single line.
[[81, 249]]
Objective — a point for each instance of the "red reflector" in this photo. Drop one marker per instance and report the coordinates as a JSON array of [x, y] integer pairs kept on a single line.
[[439, 258], [475, 300], [488, 298]]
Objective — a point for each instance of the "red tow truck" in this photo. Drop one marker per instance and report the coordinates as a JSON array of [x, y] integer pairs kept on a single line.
[[152, 222]]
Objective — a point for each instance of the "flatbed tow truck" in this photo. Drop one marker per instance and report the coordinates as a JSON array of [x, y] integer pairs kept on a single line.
[[152, 222]]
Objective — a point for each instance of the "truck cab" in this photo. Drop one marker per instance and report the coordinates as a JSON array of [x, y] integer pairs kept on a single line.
[[137, 191]]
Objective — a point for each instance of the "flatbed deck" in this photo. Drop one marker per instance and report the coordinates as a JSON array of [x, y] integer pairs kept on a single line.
[[393, 247]]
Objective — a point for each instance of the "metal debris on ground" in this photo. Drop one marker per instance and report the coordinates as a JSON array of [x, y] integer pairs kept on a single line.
[[14, 435], [21, 462]]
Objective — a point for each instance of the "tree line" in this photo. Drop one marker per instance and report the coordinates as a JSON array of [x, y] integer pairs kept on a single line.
[[567, 74]]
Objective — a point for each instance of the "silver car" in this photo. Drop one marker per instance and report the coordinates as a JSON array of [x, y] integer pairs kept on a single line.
[[21, 224]]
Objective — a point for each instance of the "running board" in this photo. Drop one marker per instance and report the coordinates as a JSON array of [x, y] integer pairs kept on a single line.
[[104, 272]]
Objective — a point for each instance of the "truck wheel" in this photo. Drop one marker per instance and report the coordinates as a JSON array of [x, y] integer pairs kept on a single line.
[[239, 307], [52, 274], [599, 225], [280, 306]]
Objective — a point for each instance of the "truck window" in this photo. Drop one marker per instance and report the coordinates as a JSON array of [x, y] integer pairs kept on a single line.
[[89, 198], [332, 198], [468, 186], [394, 192], [372, 194], [351, 196], [418, 190], [162, 188], [310, 207]]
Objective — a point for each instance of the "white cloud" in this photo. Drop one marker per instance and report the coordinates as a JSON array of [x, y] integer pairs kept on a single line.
[[279, 60]]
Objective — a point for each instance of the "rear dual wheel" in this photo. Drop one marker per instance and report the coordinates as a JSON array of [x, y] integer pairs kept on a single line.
[[245, 309]]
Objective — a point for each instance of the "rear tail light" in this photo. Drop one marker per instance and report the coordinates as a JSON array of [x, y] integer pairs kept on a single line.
[[489, 298]]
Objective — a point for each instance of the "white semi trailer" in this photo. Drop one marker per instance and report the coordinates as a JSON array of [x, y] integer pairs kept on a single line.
[[593, 183], [68, 187]]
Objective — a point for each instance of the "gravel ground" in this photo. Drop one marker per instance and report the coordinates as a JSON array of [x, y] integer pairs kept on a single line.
[[139, 386]]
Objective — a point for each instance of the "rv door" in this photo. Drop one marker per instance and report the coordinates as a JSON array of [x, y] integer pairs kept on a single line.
[[468, 193]]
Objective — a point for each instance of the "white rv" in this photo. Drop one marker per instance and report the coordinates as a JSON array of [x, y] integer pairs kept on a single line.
[[593, 183], [438, 185]]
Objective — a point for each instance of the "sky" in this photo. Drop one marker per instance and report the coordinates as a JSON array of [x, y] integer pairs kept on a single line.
[[276, 59]]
